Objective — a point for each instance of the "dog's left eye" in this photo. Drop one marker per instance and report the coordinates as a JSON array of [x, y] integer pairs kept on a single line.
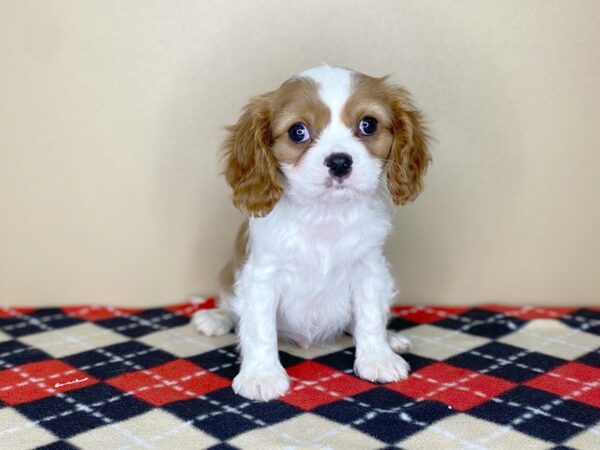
[[367, 126], [299, 133]]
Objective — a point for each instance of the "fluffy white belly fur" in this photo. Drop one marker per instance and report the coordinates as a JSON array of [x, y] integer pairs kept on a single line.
[[310, 264], [314, 307]]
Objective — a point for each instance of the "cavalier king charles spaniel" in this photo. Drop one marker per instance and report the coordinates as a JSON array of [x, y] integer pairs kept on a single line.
[[316, 165]]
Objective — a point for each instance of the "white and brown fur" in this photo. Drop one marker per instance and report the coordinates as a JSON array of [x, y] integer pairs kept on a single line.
[[309, 260]]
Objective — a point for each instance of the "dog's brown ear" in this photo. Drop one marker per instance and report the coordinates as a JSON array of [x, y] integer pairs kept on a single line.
[[409, 156], [250, 166]]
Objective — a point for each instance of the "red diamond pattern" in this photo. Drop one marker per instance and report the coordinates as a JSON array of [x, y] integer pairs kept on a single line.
[[315, 384], [12, 312], [576, 380], [459, 388], [175, 380], [95, 313], [38, 380], [188, 309], [528, 313]]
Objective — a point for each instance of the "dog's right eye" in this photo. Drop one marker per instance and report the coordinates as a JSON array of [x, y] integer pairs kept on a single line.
[[367, 126], [299, 133]]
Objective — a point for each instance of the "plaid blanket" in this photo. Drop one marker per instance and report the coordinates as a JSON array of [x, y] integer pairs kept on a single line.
[[485, 377]]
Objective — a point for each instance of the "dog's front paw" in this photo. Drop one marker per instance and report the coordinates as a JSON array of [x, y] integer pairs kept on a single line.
[[263, 384], [381, 367], [212, 322], [399, 343]]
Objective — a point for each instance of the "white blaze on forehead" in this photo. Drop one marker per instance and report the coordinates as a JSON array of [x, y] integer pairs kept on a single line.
[[335, 86]]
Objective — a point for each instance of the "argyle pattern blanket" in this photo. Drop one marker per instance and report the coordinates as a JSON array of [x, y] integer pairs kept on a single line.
[[482, 377]]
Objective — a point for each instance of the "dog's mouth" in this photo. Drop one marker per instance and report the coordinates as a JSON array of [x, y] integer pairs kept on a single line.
[[339, 190], [337, 183]]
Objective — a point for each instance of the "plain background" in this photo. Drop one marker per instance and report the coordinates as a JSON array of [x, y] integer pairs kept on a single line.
[[111, 114]]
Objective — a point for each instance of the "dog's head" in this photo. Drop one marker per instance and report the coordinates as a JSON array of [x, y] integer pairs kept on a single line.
[[327, 134]]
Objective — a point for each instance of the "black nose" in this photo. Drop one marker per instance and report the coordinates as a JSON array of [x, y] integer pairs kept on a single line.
[[340, 164]]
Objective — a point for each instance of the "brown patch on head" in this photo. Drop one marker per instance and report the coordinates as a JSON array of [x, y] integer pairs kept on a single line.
[[258, 142], [370, 98], [296, 101], [401, 137]]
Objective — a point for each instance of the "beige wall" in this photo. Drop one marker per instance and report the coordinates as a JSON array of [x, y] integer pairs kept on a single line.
[[111, 113]]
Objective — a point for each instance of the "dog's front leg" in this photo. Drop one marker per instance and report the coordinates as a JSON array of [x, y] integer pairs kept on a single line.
[[373, 291], [261, 376]]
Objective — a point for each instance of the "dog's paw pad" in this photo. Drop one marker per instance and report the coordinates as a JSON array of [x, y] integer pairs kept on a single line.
[[261, 385], [399, 343], [212, 322], [382, 368]]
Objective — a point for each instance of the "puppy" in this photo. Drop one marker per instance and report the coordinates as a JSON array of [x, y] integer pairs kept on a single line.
[[314, 164]]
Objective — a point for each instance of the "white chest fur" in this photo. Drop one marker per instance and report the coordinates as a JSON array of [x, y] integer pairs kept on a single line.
[[310, 254]]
